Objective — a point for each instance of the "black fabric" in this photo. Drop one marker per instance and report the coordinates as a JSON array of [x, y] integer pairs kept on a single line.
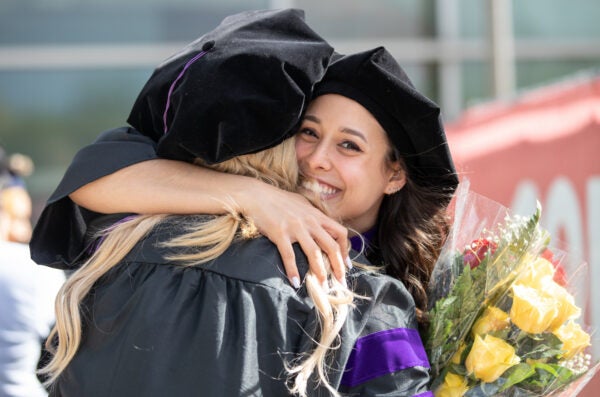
[[245, 94], [59, 234], [223, 328], [238, 89], [375, 80]]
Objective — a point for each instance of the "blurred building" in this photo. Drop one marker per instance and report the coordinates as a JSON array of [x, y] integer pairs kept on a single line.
[[70, 69]]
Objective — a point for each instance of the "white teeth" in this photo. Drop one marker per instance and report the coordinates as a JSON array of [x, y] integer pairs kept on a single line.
[[318, 188]]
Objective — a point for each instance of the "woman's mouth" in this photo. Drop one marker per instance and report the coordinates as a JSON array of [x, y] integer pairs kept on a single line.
[[323, 190]]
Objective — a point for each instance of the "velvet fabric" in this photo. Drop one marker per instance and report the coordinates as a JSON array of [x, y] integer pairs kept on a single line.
[[228, 327], [238, 89], [374, 79]]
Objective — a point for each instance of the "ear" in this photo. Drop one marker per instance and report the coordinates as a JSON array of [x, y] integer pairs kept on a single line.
[[396, 181]]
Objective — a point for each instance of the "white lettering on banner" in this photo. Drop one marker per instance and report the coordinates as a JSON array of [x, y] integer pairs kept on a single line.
[[562, 212], [525, 197], [593, 211]]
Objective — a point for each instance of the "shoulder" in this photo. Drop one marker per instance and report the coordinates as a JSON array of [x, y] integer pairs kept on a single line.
[[383, 296], [254, 260], [122, 134], [386, 347]]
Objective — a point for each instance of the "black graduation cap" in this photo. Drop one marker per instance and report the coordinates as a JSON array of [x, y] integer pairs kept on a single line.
[[375, 80], [238, 89]]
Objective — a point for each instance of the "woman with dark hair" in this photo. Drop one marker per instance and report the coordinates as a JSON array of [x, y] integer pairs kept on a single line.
[[408, 228]]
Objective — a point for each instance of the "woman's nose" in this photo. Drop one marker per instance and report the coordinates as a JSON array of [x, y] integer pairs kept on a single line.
[[318, 158]]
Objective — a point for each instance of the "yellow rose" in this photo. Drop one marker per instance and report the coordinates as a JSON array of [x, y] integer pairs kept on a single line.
[[456, 357], [453, 386], [532, 311], [490, 357], [536, 272], [574, 339], [492, 319], [565, 304]]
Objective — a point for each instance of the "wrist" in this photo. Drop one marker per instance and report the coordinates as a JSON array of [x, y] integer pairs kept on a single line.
[[243, 196]]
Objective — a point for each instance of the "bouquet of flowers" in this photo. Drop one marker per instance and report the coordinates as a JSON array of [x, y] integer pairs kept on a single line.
[[502, 318]]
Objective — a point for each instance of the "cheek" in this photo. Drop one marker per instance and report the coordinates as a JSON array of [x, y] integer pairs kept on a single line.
[[375, 169], [301, 150], [372, 179], [358, 177]]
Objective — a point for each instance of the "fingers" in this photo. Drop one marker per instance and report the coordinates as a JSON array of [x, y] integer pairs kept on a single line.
[[340, 234], [314, 254], [288, 258], [313, 245], [330, 246], [286, 218]]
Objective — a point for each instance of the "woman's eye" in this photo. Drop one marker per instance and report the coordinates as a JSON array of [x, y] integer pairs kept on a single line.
[[308, 132], [350, 146]]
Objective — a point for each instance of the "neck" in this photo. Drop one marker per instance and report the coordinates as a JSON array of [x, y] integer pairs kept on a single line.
[[361, 241]]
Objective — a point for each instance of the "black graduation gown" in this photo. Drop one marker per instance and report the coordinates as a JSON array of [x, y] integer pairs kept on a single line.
[[58, 238], [225, 328]]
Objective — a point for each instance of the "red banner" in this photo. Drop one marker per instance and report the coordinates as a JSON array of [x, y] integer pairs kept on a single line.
[[544, 146]]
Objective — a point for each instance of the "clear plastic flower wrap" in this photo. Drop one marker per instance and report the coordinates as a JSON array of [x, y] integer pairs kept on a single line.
[[504, 318]]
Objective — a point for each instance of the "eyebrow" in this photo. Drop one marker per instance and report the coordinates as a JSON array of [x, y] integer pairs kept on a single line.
[[347, 130]]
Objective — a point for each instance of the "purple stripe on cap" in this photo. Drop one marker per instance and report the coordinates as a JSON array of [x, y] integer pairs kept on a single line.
[[426, 394], [383, 353], [172, 87]]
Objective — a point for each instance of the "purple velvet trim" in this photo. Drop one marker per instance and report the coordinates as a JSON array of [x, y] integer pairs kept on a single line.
[[357, 242], [426, 394], [383, 353], [172, 87]]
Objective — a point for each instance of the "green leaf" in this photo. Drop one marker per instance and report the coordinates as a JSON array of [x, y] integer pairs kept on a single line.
[[484, 390], [548, 378], [539, 346], [518, 374]]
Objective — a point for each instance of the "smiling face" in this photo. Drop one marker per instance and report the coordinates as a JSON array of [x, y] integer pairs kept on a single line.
[[343, 154]]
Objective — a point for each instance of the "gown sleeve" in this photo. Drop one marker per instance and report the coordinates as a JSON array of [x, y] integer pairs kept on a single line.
[[387, 357], [58, 238]]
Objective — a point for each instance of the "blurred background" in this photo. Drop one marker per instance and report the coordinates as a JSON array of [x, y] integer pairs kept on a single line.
[[518, 83]]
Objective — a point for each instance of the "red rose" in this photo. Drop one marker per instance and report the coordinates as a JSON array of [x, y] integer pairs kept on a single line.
[[474, 253], [560, 276]]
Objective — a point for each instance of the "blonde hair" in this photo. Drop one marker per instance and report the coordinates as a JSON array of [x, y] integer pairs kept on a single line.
[[276, 166]]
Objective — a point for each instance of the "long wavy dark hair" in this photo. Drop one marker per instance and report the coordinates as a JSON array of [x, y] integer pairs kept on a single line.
[[412, 227]]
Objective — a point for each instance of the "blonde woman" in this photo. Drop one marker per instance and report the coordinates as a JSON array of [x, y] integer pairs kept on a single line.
[[201, 305], [179, 305]]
